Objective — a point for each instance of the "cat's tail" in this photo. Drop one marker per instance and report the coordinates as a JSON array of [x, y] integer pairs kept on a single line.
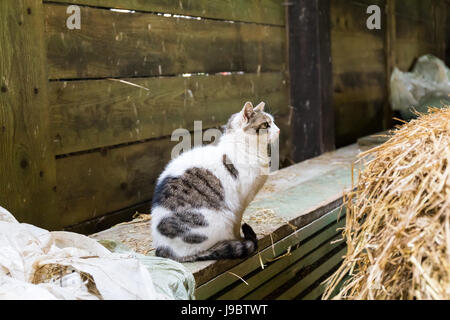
[[229, 249]]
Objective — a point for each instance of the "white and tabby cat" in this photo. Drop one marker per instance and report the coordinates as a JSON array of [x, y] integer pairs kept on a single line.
[[201, 195]]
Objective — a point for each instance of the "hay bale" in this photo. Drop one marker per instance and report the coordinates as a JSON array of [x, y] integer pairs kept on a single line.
[[398, 217]]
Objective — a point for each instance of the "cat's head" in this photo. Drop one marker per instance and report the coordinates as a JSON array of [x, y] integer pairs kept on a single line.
[[253, 121]]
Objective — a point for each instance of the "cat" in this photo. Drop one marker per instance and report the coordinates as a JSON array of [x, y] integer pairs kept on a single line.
[[201, 195]]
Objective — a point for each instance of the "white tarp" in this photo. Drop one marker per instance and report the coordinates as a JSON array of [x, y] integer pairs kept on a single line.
[[38, 264], [428, 85]]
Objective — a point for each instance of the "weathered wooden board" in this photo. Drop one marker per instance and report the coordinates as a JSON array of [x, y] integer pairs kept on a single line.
[[93, 184], [368, 113], [420, 29], [442, 16], [359, 71], [116, 44], [315, 294], [416, 10], [97, 113], [104, 222], [348, 55], [27, 165], [272, 270], [354, 46], [310, 73], [363, 58], [371, 141], [409, 51], [269, 288], [251, 269], [390, 48], [258, 11], [299, 286]]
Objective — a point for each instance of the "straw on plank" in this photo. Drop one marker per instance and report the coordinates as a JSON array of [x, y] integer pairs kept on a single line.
[[239, 277], [129, 83], [398, 217]]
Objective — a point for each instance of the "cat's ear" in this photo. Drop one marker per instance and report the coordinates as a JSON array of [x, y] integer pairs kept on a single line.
[[247, 111], [260, 107]]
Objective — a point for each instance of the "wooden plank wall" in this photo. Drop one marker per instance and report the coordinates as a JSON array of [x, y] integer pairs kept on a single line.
[[112, 140], [27, 166], [361, 57], [91, 146]]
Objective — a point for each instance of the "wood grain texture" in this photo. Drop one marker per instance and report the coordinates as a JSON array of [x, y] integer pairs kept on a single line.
[[313, 276], [310, 78], [416, 10], [257, 11], [93, 184], [362, 117], [98, 113], [390, 46], [297, 252], [359, 71], [275, 288], [26, 160], [104, 222], [442, 12], [115, 44], [420, 29], [251, 270]]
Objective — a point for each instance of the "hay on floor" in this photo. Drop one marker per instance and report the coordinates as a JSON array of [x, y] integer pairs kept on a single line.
[[398, 217]]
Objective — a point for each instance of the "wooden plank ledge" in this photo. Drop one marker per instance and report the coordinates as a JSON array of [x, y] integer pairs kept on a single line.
[[291, 199]]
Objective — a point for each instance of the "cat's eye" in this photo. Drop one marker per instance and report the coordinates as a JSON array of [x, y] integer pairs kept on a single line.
[[262, 126], [265, 125]]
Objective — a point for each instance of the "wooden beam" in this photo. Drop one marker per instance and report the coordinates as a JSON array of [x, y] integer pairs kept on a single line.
[[260, 11], [117, 44], [310, 78], [441, 26], [27, 165], [447, 33], [113, 113], [391, 36]]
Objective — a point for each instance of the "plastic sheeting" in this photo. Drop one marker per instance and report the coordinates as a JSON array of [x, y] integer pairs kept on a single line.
[[428, 85], [38, 264], [171, 277]]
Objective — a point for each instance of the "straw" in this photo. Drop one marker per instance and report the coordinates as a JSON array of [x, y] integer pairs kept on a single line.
[[398, 217]]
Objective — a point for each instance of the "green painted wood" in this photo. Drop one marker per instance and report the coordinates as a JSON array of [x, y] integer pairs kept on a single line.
[[319, 191], [27, 166], [115, 44], [278, 266], [315, 294], [257, 11], [97, 113], [295, 290], [253, 263], [291, 272]]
